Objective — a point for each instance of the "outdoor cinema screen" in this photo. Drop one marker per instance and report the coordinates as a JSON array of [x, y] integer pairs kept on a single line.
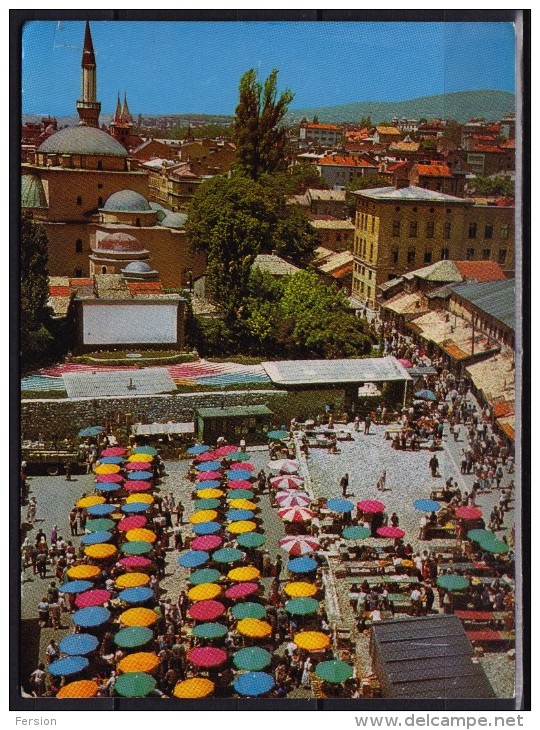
[[123, 324]]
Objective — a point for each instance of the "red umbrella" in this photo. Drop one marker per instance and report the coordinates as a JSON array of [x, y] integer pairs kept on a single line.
[[292, 498], [224, 450], [136, 485], [116, 478], [239, 484], [206, 610], [241, 590], [207, 656], [206, 542], [92, 598], [468, 513], [390, 532], [114, 451], [296, 514], [131, 523], [287, 482], [207, 456], [204, 476], [135, 561], [405, 362], [371, 505], [297, 545], [136, 465], [242, 465]]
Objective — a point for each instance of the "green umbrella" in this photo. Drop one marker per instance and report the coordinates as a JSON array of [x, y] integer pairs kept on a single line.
[[247, 609], [335, 671], [240, 494], [136, 547], [251, 539], [206, 575], [252, 658], [227, 555], [355, 532], [497, 547], [145, 450], [209, 631], [206, 504], [98, 525], [134, 684], [452, 582], [301, 606], [480, 535], [277, 435], [238, 456], [133, 636]]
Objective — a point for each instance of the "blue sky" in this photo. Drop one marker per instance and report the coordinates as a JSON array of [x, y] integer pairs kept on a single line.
[[186, 67]]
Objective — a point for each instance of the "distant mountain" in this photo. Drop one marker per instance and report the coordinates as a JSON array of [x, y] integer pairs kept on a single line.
[[461, 106]]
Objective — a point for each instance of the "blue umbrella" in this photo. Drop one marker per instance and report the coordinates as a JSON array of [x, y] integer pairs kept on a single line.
[[278, 435], [208, 466], [78, 644], [426, 505], [207, 528], [239, 514], [426, 395], [136, 595], [239, 474], [91, 431], [106, 487], [198, 449], [134, 507], [76, 586], [302, 565], [93, 616], [68, 665], [99, 510], [340, 505], [136, 475], [94, 537], [111, 460], [208, 484], [193, 558], [253, 684], [150, 450]]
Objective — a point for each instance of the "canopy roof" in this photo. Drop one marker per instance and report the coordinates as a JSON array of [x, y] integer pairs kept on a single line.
[[332, 372]]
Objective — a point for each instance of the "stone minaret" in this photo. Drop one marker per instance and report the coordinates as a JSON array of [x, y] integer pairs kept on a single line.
[[87, 106]]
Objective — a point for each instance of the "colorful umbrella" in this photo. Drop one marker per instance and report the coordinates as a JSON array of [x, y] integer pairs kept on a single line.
[[206, 542], [132, 523], [91, 431], [206, 575], [497, 547], [228, 555], [204, 591], [140, 457], [204, 504], [298, 545], [136, 547], [93, 616], [99, 525], [425, 395], [209, 631], [208, 483], [247, 609], [99, 510], [252, 658], [76, 586], [287, 482], [137, 485], [355, 532], [225, 450], [81, 689], [388, 531], [197, 449], [206, 610], [68, 665], [136, 595], [340, 505], [92, 598], [210, 493], [277, 435], [293, 498], [204, 515], [250, 539], [101, 551], [141, 534], [254, 628], [238, 456], [302, 565], [107, 486], [139, 498], [109, 478], [207, 528], [94, 537], [132, 580], [285, 466], [296, 514], [194, 688], [301, 606], [193, 558], [239, 475], [140, 661], [253, 684], [134, 507], [236, 515], [236, 484], [208, 466], [114, 451], [311, 640], [478, 535], [134, 684], [133, 636], [468, 513], [246, 573], [237, 528], [90, 501], [111, 459], [78, 644], [241, 590], [371, 506], [207, 456], [452, 582], [83, 571], [207, 656], [240, 494], [107, 469], [138, 617], [135, 561], [300, 589], [242, 504], [335, 671], [426, 505], [139, 475], [243, 465]]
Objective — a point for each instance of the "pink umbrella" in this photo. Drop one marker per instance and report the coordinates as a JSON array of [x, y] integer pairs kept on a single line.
[[206, 610], [116, 478], [292, 499], [390, 532], [224, 450], [287, 482], [468, 513], [405, 362], [136, 466], [136, 485], [135, 561], [206, 542], [207, 456], [241, 590], [114, 451], [296, 514], [242, 465], [285, 466], [131, 523], [207, 656], [92, 598], [299, 544], [239, 484], [371, 506], [204, 476]]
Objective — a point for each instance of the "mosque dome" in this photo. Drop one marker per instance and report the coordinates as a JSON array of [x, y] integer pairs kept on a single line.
[[82, 140], [127, 201], [119, 243], [139, 270], [32, 192]]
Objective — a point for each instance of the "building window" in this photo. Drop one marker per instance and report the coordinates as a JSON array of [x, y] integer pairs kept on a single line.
[[371, 252], [411, 256], [78, 246], [395, 229], [486, 254], [99, 165], [100, 186], [488, 231], [413, 229], [430, 229], [138, 222], [79, 200], [373, 224], [398, 208], [103, 269], [445, 254], [470, 254], [502, 256], [78, 273], [100, 202], [472, 230], [395, 255], [428, 256], [505, 231], [447, 232]]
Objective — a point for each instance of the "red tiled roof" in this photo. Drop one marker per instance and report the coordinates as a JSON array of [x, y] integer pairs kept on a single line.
[[345, 161], [434, 170], [323, 126], [485, 148], [393, 168], [59, 291], [505, 202], [81, 282], [137, 287], [482, 137], [342, 271], [502, 409], [510, 144], [480, 270]]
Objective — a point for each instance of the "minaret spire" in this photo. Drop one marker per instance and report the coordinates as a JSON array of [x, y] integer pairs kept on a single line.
[[126, 116], [88, 106], [118, 112]]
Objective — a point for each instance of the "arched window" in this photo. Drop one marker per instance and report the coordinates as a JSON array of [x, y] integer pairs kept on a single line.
[[79, 200], [103, 269], [99, 165], [138, 222], [78, 245], [100, 202]]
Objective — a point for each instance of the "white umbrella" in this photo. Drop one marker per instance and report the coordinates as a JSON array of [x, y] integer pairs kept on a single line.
[[299, 544], [288, 481], [286, 466], [296, 514], [293, 499]]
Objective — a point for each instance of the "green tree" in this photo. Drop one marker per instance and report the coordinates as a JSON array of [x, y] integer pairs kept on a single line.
[[315, 119], [365, 123], [363, 183], [260, 140], [500, 185], [299, 178]]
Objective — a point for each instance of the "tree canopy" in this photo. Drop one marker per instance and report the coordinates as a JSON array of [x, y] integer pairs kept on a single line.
[[363, 183]]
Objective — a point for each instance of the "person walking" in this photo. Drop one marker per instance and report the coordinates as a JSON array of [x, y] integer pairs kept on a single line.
[[434, 465], [367, 424], [344, 484]]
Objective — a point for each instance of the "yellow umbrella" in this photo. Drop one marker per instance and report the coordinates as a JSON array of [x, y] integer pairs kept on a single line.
[[203, 515], [90, 501], [249, 572], [407, 564], [138, 617], [300, 589], [107, 469], [194, 688], [139, 497], [132, 580], [78, 690], [140, 533], [82, 572], [140, 458], [311, 640], [242, 504], [209, 494], [100, 551], [241, 526], [254, 627], [204, 592], [140, 661]]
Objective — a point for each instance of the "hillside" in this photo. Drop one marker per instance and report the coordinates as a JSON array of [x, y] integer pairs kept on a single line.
[[462, 106]]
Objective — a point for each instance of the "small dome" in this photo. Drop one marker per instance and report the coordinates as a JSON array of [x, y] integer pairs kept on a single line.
[[32, 192], [139, 270], [119, 243], [127, 201], [82, 140]]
